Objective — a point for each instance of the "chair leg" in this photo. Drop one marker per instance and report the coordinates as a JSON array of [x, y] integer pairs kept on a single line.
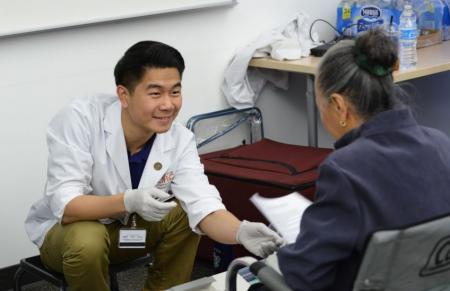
[[17, 279], [113, 282]]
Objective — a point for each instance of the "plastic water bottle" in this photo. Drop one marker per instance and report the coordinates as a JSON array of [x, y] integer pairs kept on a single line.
[[392, 31], [397, 8], [256, 129], [446, 20], [407, 42], [344, 17]]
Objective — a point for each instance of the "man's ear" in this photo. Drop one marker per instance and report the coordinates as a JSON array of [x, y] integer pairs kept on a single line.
[[340, 105], [123, 94]]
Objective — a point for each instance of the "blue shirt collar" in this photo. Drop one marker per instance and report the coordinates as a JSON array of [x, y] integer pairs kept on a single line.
[[142, 155]]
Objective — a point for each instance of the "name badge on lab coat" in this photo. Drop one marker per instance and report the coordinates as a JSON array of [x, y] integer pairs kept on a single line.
[[132, 238]]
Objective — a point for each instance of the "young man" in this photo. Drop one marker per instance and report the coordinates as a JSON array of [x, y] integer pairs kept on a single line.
[[112, 161]]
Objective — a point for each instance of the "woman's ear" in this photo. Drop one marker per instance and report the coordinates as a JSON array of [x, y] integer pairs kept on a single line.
[[340, 106], [122, 93]]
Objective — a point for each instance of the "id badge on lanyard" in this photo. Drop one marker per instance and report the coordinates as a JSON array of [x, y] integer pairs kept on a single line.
[[132, 237]]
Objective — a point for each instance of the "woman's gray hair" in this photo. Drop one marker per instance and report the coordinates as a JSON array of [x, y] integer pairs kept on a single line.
[[361, 70]]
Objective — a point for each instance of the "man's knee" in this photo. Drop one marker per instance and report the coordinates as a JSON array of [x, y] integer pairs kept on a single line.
[[86, 243]]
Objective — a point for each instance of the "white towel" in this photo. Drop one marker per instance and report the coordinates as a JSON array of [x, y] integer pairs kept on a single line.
[[242, 85]]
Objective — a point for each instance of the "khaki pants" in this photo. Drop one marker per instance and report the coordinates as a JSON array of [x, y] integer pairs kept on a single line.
[[83, 251]]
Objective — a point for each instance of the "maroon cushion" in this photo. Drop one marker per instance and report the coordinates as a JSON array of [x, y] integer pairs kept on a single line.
[[268, 161]]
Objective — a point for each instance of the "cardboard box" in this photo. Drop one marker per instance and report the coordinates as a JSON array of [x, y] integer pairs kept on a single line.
[[429, 37]]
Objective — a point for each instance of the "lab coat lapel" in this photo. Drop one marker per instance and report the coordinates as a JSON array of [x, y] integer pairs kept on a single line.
[[115, 142], [158, 160]]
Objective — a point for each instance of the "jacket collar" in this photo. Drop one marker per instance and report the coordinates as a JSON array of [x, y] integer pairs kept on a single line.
[[117, 149], [385, 121]]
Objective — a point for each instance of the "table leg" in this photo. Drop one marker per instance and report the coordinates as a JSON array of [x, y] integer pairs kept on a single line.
[[311, 111]]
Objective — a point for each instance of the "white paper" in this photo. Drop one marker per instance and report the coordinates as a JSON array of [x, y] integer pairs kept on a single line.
[[284, 212]]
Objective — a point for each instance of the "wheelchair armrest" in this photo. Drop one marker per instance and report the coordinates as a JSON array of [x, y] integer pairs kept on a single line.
[[269, 277]]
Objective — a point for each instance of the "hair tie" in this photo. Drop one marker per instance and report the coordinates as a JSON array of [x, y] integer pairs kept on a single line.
[[371, 67]]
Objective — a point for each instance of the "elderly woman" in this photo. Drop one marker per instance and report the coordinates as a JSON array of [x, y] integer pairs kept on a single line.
[[387, 171]]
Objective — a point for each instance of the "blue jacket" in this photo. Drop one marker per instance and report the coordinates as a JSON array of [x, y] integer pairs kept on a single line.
[[388, 173]]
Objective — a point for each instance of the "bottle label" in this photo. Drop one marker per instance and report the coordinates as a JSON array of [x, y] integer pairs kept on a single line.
[[370, 16], [344, 18], [370, 12], [430, 6], [346, 12], [408, 34]]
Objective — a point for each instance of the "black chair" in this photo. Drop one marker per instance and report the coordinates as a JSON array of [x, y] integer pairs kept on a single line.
[[411, 258], [34, 266]]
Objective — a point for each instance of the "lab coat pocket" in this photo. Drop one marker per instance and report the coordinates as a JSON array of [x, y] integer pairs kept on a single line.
[[165, 181]]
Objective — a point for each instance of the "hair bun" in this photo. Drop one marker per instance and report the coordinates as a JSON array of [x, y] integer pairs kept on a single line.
[[378, 47]]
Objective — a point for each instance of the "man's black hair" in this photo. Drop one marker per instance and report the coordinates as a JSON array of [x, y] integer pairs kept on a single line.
[[144, 55]]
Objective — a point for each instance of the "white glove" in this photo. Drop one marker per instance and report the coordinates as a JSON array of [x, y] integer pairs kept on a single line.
[[147, 203], [258, 238]]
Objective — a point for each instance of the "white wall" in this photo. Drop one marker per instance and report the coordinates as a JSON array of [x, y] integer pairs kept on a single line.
[[40, 73]]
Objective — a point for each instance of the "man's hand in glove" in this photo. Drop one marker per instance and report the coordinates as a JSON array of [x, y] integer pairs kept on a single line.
[[258, 238], [147, 203]]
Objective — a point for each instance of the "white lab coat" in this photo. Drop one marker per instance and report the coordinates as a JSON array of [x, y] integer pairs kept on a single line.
[[88, 155]]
